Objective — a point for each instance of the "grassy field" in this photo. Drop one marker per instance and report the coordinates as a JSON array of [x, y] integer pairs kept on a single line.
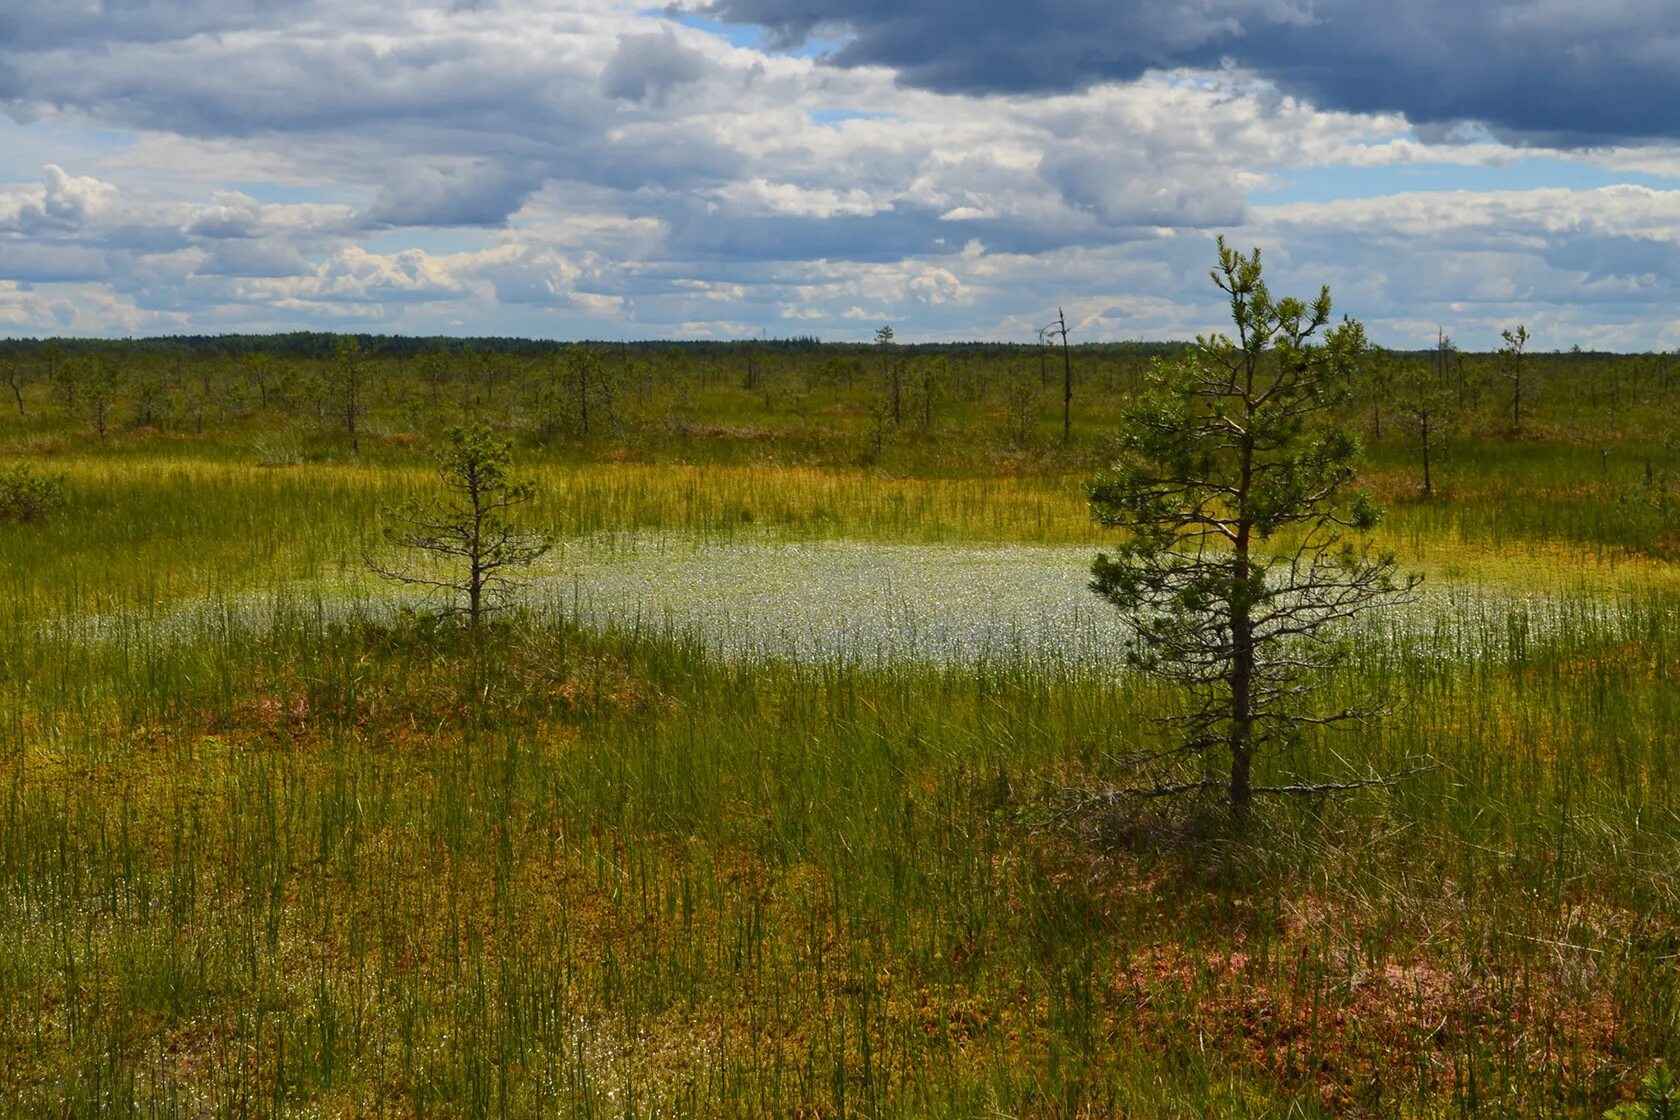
[[271, 846]]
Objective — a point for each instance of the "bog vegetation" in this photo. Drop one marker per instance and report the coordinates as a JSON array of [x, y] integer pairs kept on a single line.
[[278, 840]]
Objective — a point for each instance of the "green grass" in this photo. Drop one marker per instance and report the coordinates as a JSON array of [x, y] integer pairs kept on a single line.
[[269, 849], [352, 867]]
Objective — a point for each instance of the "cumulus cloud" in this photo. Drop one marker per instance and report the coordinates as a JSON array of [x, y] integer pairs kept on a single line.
[[62, 203], [230, 214], [538, 275], [355, 275]]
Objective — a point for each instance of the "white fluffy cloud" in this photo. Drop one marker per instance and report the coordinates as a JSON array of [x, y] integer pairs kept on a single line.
[[61, 203]]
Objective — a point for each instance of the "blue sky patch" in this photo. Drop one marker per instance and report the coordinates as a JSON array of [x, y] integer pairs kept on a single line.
[[1329, 184]]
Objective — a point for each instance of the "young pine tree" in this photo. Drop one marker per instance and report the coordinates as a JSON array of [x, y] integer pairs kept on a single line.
[[1423, 409], [892, 372], [346, 387], [469, 530], [1513, 364], [1234, 484]]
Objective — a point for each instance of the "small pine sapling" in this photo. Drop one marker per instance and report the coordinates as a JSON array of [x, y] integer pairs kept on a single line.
[[469, 528]]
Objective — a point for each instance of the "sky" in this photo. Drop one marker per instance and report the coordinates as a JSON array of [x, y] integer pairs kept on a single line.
[[957, 169]]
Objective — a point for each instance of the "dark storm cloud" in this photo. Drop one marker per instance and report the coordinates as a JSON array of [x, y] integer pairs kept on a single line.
[[1562, 72]]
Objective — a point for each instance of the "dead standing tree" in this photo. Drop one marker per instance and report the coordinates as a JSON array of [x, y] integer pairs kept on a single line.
[[17, 376], [1058, 328]]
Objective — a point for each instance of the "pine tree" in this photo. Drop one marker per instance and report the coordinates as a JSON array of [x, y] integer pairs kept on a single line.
[[470, 528], [1235, 485]]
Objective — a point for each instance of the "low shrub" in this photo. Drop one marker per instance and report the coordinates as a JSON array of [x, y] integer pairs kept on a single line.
[[28, 496]]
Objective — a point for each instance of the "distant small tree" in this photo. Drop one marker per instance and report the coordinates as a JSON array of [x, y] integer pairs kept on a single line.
[[1449, 366], [258, 370], [878, 411], [583, 371], [486, 371], [64, 373], [198, 402], [1379, 385], [312, 389], [1512, 363], [1022, 399], [470, 527], [148, 392], [1234, 485], [232, 396], [892, 371], [550, 399], [434, 371], [96, 383], [1058, 328], [749, 381], [1423, 408], [17, 376], [346, 388], [929, 373], [610, 381]]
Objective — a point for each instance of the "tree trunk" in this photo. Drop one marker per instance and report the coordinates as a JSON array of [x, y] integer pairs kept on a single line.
[[1242, 611], [475, 554], [583, 396], [1242, 682], [1067, 381], [1427, 491], [1242, 632]]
